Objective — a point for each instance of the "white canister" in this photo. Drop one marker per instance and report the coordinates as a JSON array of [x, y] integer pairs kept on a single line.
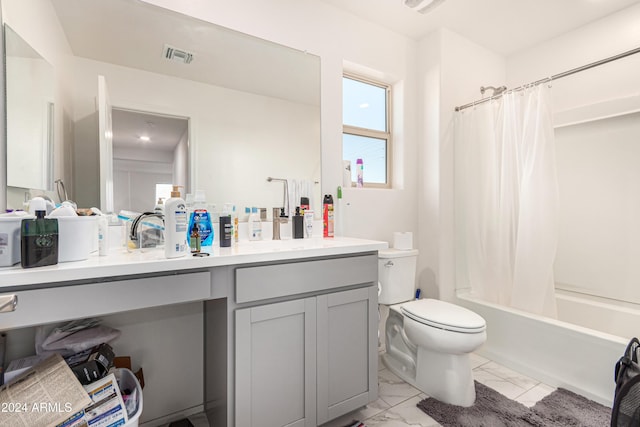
[[76, 237], [10, 240]]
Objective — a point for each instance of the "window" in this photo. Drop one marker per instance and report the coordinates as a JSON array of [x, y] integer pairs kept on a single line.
[[366, 130]]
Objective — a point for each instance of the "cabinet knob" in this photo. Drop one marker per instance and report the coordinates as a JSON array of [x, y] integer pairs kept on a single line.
[[8, 303]]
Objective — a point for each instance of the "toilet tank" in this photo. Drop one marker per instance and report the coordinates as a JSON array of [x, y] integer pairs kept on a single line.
[[396, 275]]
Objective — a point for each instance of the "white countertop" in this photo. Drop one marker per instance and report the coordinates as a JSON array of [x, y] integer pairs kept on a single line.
[[121, 263]]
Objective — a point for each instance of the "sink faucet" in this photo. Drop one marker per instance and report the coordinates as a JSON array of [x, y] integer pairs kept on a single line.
[[278, 218], [285, 197]]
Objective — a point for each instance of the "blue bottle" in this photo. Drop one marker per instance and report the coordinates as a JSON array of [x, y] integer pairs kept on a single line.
[[202, 218]]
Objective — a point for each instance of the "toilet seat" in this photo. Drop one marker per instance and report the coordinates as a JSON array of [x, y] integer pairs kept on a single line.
[[443, 315]]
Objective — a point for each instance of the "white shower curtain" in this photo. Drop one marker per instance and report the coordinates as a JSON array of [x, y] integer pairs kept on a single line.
[[507, 199]]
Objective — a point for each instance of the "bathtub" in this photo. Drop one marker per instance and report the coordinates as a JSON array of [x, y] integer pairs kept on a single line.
[[556, 352]]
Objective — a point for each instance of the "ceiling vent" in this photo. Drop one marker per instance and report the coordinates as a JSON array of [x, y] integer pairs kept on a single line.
[[422, 6], [174, 54]]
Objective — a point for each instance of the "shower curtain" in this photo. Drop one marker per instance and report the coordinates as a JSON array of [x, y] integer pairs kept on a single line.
[[507, 199]]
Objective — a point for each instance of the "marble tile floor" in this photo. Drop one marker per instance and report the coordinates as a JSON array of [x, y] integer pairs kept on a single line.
[[396, 404]]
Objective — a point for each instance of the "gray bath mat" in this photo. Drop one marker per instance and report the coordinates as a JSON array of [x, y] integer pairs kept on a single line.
[[561, 408]]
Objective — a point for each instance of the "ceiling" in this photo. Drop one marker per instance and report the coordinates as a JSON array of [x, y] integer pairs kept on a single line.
[[133, 34], [504, 26], [164, 132]]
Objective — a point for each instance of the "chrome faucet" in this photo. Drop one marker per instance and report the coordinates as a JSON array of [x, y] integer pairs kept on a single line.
[[278, 218], [285, 196]]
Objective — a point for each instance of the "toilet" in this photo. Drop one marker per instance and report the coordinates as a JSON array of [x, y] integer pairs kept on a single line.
[[427, 341]]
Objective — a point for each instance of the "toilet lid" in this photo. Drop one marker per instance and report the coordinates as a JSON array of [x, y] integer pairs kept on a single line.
[[443, 315]]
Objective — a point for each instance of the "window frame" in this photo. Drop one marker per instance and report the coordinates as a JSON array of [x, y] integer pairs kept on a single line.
[[372, 133]]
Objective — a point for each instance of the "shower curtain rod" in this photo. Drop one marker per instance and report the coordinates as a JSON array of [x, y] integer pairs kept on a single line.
[[556, 76]]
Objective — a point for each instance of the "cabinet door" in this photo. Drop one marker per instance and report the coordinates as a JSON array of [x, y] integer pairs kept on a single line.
[[276, 365], [347, 351]]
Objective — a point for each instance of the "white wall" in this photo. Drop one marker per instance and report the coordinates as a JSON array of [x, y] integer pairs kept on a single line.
[[601, 39], [225, 129], [181, 161], [599, 182], [135, 175], [339, 37], [452, 69], [597, 250]]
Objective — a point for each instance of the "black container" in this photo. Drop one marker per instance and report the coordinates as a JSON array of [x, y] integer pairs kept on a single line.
[[39, 241], [226, 231], [298, 224]]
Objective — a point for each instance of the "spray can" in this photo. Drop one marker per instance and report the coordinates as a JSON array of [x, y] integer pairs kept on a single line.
[[327, 216]]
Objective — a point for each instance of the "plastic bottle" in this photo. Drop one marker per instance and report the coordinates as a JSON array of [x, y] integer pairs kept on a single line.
[[327, 216], [255, 225], [339, 216], [359, 173], [201, 216], [175, 231], [308, 223], [103, 235], [194, 239], [234, 216], [226, 227], [159, 208], [304, 204]]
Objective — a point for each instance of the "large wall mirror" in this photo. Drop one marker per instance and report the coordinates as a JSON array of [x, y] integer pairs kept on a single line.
[[30, 107], [251, 107]]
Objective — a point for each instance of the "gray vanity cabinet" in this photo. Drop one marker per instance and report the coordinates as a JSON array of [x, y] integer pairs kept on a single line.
[[305, 361], [276, 364], [347, 351]]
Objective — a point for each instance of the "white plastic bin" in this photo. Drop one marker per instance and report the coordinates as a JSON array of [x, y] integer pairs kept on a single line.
[[10, 240], [126, 380], [76, 237]]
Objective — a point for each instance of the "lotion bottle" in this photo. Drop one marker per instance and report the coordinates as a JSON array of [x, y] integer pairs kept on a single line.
[[255, 225], [175, 226]]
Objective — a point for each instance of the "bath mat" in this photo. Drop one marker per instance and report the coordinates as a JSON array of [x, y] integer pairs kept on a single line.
[[355, 423], [561, 408]]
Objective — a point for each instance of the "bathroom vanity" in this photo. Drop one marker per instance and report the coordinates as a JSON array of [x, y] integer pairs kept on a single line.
[[266, 333]]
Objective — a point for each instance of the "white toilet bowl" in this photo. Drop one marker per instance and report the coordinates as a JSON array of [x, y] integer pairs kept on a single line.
[[444, 335], [427, 341]]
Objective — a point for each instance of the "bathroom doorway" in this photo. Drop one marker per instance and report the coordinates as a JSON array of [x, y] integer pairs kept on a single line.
[[150, 151]]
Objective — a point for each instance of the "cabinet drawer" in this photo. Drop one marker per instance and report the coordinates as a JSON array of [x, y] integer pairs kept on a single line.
[[279, 280], [35, 307]]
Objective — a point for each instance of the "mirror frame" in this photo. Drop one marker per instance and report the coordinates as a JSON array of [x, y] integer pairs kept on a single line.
[[256, 192], [3, 124]]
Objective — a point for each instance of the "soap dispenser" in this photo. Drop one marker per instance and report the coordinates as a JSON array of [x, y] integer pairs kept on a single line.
[[39, 237], [175, 225], [298, 224]]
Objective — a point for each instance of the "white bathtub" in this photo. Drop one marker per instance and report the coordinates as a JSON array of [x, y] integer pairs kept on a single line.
[[557, 352]]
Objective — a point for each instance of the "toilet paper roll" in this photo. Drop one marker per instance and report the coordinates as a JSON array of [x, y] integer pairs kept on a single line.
[[403, 240]]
